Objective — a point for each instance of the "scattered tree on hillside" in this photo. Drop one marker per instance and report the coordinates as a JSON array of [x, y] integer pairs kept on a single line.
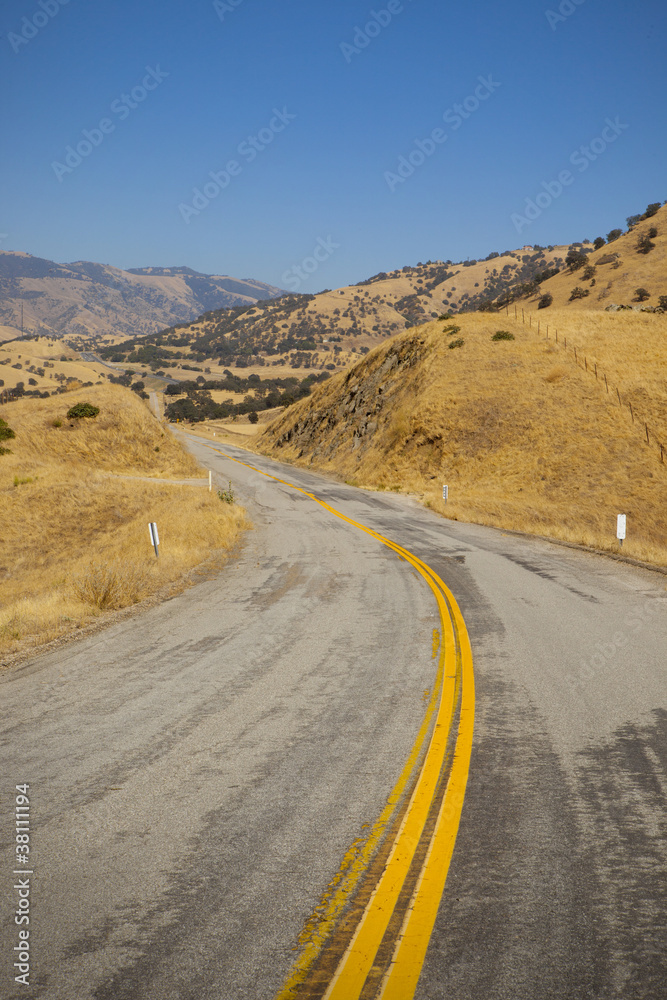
[[662, 302], [613, 235], [545, 300], [575, 259], [642, 294], [645, 244], [579, 293], [598, 242], [651, 210]]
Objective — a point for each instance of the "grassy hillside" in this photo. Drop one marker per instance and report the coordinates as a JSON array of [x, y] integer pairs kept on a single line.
[[74, 542], [44, 364], [613, 273], [334, 328], [524, 436]]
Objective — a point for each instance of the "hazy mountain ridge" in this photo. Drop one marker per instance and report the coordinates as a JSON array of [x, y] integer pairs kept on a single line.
[[87, 301]]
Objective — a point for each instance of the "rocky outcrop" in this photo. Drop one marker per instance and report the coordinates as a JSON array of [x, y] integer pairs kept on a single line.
[[350, 409]]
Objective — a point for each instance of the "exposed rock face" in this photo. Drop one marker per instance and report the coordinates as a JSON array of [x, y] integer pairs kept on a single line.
[[351, 408]]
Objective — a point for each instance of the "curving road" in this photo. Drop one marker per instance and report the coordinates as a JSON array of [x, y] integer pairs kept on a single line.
[[198, 774]]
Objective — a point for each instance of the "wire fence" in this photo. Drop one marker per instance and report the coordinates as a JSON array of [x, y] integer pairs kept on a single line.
[[581, 360]]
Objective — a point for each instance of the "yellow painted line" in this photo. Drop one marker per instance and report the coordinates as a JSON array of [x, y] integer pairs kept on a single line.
[[353, 969], [352, 868], [400, 981], [403, 974]]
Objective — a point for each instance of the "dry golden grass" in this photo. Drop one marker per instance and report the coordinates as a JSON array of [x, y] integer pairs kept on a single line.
[[8, 333], [616, 280], [34, 353], [524, 437], [627, 347], [74, 539]]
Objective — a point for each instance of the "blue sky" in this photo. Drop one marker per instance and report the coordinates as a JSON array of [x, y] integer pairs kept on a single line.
[[340, 126]]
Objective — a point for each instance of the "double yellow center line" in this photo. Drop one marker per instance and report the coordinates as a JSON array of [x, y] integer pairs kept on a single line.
[[388, 945]]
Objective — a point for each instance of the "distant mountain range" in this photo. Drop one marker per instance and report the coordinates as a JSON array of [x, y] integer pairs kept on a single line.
[[85, 301]]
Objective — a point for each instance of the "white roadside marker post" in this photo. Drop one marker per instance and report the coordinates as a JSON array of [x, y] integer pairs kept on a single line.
[[155, 540], [445, 493], [210, 481], [621, 523]]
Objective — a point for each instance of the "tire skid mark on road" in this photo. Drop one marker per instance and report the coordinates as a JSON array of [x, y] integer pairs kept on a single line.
[[386, 946]]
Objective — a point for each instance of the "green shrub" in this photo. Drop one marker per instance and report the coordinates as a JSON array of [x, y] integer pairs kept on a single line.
[[227, 496], [502, 335], [545, 300], [578, 293], [5, 431], [457, 343], [642, 294], [451, 330], [80, 410], [662, 302], [252, 417]]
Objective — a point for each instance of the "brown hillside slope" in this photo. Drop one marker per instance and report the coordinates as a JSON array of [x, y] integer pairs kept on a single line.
[[523, 436], [619, 270]]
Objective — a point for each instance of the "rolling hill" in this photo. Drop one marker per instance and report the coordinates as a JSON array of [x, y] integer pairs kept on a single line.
[[526, 434], [335, 327], [611, 275], [329, 329]]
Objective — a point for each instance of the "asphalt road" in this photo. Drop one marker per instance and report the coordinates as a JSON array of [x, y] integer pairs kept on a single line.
[[198, 773]]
